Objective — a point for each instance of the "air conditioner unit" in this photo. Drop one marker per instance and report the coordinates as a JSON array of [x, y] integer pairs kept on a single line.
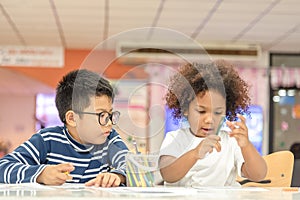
[[132, 53]]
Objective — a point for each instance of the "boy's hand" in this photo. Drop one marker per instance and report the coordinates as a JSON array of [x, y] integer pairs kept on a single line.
[[106, 180], [239, 131], [55, 174], [207, 145]]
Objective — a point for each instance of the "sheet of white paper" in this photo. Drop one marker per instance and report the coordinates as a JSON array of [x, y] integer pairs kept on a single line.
[[228, 188], [152, 191], [23, 186], [71, 186]]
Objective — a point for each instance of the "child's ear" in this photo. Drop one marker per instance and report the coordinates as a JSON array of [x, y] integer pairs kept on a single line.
[[70, 118]]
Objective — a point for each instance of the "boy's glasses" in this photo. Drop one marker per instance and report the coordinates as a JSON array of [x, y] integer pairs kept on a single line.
[[104, 117]]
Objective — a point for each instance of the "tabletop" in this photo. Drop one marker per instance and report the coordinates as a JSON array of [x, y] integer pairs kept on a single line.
[[80, 192]]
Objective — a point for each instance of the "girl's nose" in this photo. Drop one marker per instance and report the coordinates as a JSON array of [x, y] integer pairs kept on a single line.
[[208, 119]]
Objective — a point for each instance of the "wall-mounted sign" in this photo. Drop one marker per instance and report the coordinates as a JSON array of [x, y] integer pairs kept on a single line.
[[31, 56]]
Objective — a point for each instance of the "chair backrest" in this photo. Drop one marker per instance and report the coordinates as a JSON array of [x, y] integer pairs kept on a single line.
[[280, 170], [296, 174], [295, 149]]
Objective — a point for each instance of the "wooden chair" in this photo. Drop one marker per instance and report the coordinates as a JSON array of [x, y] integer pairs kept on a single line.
[[280, 170], [296, 173]]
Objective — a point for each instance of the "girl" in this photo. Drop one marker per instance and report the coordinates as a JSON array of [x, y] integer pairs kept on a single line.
[[200, 155]]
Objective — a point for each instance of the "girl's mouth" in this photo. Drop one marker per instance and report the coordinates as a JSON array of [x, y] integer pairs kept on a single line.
[[207, 130]]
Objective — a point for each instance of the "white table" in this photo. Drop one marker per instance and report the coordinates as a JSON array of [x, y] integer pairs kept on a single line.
[[79, 192]]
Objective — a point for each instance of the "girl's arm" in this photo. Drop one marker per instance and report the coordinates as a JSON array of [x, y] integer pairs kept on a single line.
[[254, 167], [173, 169]]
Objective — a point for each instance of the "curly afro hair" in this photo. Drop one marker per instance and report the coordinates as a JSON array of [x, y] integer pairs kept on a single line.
[[198, 78]]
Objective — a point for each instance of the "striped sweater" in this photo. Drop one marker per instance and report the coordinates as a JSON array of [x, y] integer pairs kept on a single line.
[[54, 145]]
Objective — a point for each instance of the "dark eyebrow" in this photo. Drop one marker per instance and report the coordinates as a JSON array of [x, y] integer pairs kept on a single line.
[[102, 110], [220, 107], [200, 106]]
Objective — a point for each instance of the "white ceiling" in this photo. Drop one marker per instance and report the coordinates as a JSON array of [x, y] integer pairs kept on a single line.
[[78, 24], [273, 24]]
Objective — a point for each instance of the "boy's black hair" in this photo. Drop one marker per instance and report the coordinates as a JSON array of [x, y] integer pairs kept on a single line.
[[76, 88]]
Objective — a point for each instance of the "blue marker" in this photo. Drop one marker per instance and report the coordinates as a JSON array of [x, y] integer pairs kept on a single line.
[[220, 125]]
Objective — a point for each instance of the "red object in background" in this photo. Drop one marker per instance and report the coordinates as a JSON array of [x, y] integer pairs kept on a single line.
[[296, 111]]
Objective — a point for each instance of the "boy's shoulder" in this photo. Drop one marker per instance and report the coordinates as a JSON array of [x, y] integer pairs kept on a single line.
[[53, 129], [113, 134]]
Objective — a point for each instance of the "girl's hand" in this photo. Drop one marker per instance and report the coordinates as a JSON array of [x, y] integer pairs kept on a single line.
[[239, 131], [207, 145]]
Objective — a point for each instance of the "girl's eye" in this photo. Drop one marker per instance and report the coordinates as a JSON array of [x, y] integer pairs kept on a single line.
[[218, 113]]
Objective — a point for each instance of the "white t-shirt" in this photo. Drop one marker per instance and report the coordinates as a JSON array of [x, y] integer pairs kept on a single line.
[[216, 169]]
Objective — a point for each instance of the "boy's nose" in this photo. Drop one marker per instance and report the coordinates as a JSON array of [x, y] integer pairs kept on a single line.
[[109, 122]]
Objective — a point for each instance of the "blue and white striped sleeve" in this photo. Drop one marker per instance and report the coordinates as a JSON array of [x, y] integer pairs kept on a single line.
[[117, 151], [24, 164]]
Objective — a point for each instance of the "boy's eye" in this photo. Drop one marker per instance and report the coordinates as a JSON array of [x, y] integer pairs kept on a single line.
[[201, 111]]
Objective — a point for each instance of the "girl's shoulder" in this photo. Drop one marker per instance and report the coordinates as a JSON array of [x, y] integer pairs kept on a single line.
[[182, 136], [180, 132]]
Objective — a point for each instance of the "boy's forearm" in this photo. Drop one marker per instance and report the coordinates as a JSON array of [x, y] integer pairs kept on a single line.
[[16, 171]]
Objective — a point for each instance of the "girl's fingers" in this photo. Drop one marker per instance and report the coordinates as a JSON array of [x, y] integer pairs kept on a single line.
[[218, 146], [242, 118]]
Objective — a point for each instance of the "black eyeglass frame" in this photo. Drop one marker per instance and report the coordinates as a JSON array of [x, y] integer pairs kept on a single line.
[[109, 117]]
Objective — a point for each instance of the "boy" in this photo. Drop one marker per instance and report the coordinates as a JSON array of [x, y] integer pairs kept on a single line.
[[85, 150]]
